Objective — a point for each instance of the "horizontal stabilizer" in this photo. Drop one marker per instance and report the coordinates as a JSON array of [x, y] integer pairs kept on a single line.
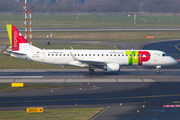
[[9, 53]]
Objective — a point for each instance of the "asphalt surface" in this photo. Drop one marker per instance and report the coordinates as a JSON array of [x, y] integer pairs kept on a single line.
[[98, 29], [131, 87], [131, 95], [82, 75]]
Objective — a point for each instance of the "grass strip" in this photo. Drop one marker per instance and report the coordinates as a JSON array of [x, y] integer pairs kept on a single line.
[[51, 114], [91, 21], [6, 87], [121, 36]]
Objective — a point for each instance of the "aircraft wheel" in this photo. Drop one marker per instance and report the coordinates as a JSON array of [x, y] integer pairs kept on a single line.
[[157, 71], [91, 71]]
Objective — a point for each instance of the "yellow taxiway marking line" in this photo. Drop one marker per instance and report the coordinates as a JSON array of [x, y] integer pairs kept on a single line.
[[152, 96], [176, 101], [177, 47]]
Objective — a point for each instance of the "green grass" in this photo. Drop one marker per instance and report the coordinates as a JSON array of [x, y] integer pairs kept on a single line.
[[124, 36], [96, 21], [6, 87], [51, 114], [90, 21], [8, 62]]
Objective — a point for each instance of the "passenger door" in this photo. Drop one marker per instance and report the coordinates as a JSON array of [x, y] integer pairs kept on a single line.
[[155, 57], [42, 56]]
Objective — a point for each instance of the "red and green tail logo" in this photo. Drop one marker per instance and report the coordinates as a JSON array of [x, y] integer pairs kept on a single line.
[[15, 37]]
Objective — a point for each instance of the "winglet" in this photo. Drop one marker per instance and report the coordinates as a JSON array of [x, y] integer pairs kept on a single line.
[[71, 48], [75, 59]]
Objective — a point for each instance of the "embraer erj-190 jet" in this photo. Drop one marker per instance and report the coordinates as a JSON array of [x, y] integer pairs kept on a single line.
[[109, 60]]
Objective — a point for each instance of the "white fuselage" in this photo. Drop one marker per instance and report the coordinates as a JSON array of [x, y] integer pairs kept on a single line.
[[123, 57]]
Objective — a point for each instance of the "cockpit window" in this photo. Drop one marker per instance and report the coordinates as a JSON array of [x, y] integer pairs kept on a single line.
[[164, 55]]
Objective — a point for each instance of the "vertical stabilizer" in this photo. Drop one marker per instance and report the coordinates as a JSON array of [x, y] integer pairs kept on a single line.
[[15, 37]]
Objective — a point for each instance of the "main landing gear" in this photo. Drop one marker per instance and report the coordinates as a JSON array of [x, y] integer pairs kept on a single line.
[[157, 69], [91, 71]]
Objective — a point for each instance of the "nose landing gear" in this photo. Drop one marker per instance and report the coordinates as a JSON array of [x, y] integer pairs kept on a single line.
[[157, 69], [91, 71]]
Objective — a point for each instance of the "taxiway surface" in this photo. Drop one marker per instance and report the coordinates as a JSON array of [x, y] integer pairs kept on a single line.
[[99, 29], [131, 95], [82, 75]]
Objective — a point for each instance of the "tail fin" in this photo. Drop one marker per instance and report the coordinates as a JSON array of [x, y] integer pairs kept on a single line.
[[15, 37]]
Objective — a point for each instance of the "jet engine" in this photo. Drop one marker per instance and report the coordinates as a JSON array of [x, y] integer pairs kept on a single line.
[[112, 67]]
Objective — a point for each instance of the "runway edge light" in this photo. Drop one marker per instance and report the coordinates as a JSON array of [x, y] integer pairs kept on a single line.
[[143, 106], [17, 84], [137, 111]]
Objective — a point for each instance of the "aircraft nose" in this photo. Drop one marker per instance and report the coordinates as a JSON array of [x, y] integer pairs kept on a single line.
[[174, 61]]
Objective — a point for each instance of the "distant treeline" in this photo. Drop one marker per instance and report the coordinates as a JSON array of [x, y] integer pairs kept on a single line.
[[169, 6]]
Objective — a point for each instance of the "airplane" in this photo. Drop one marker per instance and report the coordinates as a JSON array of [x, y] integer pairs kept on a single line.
[[108, 60]]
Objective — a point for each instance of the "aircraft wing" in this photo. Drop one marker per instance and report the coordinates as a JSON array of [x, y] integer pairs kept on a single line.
[[87, 62], [92, 62]]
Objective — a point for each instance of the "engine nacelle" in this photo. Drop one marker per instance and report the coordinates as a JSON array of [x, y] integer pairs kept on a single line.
[[112, 67]]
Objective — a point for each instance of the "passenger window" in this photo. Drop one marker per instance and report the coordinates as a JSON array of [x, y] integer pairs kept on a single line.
[[85, 54], [48, 54], [98, 54], [114, 54], [81, 54], [126, 55], [93, 54], [118, 54], [59, 54], [78, 54], [64, 54], [67, 54], [74, 54], [52, 54], [110, 54], [122, 54], [102, 55], [56, 54], [106, 54], [89, 54]]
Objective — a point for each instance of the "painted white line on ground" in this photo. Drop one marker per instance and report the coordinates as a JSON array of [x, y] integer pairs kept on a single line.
[[130, 80], [148, 80], [42, 80], [6, 80], [14, 77], [78, 80], [26, 80], [52, 80], [100, 113]]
